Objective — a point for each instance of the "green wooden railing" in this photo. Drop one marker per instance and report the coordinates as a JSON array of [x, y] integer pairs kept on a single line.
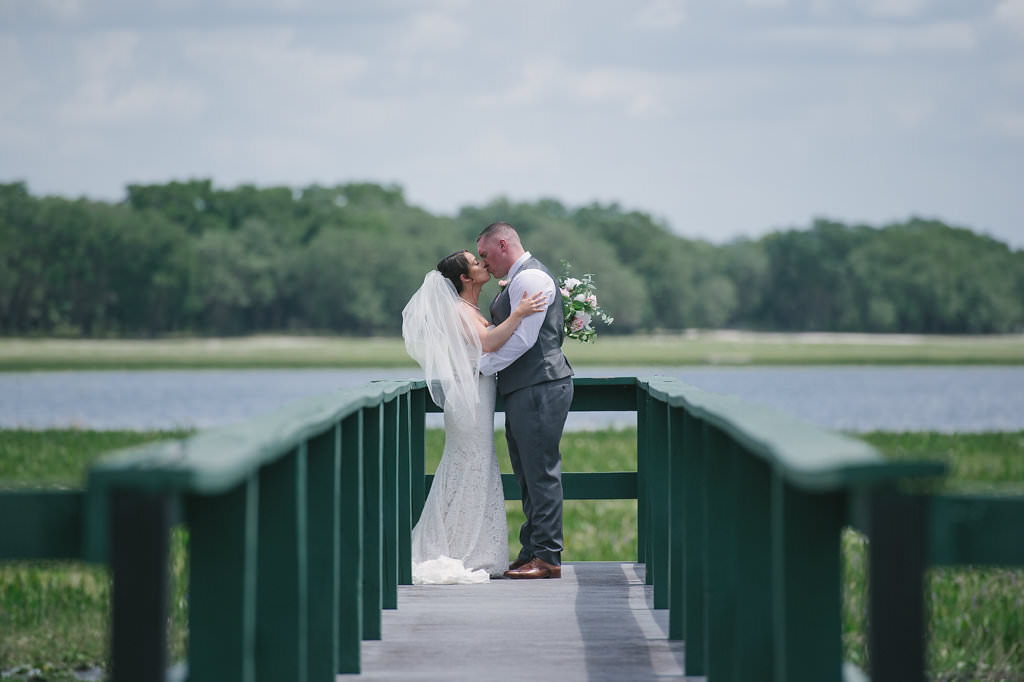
[[300, 523]]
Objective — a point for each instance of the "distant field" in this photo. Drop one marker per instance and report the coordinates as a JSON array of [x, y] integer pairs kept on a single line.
[[690, 348]]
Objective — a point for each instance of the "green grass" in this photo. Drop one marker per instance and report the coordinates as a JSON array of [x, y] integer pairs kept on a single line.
[[669, 349], [53, 617], [975, 615]]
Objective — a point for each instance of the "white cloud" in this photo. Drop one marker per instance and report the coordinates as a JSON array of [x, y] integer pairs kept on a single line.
[[110, 92], [538, 78], [894, 8], [1006, 123], [433, 31], [639, 94], [880, 40], [270, 59], [62, 9], [500, 152], [1011, 13], [661, 15], [635, 93], [15, 78]]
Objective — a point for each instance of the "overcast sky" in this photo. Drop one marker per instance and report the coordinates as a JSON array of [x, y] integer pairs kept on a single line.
[[721, 117]]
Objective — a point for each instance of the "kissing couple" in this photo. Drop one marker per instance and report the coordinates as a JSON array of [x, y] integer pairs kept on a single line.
[[461, 535]]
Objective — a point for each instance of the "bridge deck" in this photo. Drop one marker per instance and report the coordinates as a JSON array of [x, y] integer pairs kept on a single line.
[[596, 623]]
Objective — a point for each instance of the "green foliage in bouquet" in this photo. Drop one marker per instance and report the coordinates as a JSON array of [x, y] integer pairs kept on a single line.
[[579, 305]]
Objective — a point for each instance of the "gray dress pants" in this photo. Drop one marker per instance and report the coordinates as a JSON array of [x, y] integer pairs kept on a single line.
[[534, 420]]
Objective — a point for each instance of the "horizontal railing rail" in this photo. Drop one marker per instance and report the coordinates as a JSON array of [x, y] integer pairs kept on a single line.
[[300, 533]]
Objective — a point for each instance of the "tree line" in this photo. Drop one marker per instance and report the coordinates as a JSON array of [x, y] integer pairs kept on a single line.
[[190, 258]]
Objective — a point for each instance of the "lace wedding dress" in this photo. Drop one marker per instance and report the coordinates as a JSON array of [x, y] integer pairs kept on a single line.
[[462, 536]]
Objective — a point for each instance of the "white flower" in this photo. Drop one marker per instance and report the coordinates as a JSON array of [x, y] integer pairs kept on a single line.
[[580, 297], [571, 283]]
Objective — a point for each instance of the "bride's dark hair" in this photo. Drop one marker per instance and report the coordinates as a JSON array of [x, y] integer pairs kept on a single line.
[[453, 265]]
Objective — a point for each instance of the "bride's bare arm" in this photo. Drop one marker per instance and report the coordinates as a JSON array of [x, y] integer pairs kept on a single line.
[[493, 338]]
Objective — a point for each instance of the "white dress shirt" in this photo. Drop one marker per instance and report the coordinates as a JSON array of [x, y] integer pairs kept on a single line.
[[525, 335]]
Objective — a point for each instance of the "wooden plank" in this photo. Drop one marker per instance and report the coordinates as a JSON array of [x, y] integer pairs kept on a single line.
[[804, 454], [41, 524], [720, 612], [373, 530], [658, 451], [323, 497], [219, 459], [578, 485], [391, 533], [643, 511], [139, 561], [222, 584], [596, 625], [610, 394], [350, 583], [806, 583], [590, 394], [976, 529], [679, 440], [896, 564], [281, 589], [753, 546], [694, 474], [411, 446]]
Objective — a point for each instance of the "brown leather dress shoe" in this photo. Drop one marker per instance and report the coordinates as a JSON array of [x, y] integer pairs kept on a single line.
[[535, 568], [517, 563]]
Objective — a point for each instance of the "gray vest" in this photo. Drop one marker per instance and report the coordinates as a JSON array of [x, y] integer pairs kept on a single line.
[[544, 361]]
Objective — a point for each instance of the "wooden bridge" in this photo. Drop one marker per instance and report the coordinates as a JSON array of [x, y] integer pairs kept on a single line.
[[300, 523]]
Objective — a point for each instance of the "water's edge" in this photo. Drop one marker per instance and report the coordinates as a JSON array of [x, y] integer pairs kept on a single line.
[[901, 398]]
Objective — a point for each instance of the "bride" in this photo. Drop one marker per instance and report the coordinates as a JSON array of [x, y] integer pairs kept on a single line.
[[461, 536]]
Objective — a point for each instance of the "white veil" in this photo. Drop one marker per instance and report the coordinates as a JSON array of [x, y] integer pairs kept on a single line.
[[440, 338]]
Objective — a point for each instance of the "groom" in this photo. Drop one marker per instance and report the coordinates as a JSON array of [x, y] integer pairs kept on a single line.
[[535, 380]]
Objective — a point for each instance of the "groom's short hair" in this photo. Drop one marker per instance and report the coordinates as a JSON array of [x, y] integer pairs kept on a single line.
[[500, 230]]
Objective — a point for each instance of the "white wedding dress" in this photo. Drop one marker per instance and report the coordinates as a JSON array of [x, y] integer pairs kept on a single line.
[[462, 536]]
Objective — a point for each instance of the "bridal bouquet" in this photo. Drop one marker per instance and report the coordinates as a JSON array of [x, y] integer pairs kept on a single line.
[[579, 305]]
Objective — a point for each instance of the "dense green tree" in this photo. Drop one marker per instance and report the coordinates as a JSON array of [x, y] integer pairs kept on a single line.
[[187, 257]]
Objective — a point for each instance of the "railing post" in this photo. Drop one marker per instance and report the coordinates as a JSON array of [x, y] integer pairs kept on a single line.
[[806, 579], [753, 548], [896, 559], [642, 492], [678, 444], [411, 482], [694, 464], [373, 531], [350, 602], [281, 590], [222, 584], [323, 467], [140, 523], [658, 488], [391, 531], [720, 556]]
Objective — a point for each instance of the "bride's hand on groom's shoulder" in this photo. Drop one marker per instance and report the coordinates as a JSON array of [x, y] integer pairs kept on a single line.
[[532, 304]]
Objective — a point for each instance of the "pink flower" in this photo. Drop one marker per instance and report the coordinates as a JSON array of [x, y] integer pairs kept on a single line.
[[502, 283], [592, 300], [579, 321], [565, 292]]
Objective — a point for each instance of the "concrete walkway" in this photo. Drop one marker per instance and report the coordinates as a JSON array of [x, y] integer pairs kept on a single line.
[[596, 623]]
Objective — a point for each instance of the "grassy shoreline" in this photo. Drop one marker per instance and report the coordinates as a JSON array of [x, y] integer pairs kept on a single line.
[[671, 349], [54, 618]]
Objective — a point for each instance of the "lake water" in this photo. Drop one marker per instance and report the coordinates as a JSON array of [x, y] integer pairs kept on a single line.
[[944, 399]]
